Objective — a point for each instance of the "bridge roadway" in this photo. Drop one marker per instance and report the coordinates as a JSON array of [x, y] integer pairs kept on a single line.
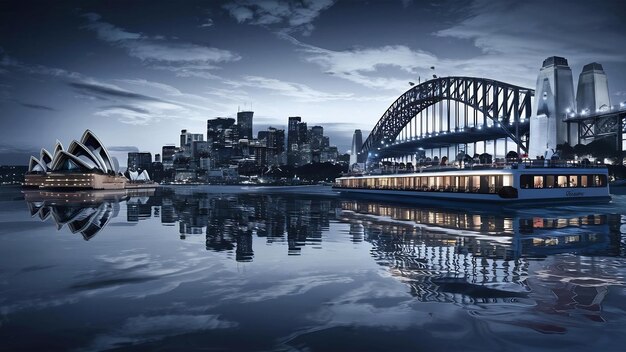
[[446, 139]]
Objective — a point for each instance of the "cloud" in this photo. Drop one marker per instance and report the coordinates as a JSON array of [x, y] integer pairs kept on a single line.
[[17, 155], [185, 70], [132, 108], [107, 31], [179, 52], [36, 106], [509, 53], [170, 90], [294, 16], [128, 106], [299, 91], [207, 23], [108, 91], [364, 65], [157, 50], [513, 52], [123, 148], [7, 148], [10, 62]]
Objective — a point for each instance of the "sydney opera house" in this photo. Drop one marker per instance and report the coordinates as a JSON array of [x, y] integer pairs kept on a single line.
[[83, 165]]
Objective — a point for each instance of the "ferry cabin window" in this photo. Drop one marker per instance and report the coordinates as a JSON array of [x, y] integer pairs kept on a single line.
[[475, 183], [599, 180], [485, 185], [562, 181]]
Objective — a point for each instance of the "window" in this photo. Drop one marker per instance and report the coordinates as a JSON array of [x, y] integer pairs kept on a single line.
[[584, 180], [431, 183], [485, 187], [561, 181], [507, 180], [537, 181], [526, 181], [475, 186], [464, 184], [447, 183], [550, 181], [599, 180], [573, 181]]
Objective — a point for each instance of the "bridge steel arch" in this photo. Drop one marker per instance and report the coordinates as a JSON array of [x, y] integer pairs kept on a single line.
[[507, 106]]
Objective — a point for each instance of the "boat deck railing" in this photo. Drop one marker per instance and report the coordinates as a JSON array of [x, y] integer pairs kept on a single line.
[[509, 164]]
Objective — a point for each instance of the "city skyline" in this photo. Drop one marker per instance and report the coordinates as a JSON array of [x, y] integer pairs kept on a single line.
[[138, 74]]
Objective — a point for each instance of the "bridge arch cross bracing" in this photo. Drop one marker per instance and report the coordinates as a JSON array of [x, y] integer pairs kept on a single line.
[[506, 105]]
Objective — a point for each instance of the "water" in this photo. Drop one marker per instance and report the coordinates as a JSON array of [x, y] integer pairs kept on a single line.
[[187, 270]]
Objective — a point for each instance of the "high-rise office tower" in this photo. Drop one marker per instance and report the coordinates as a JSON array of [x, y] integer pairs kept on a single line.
[[216, 129], [244, 124], [186, 138], [357, 143], [317, 131], [554, 100], [292, 132], [303, 133], [317, 134], [167, 153], [139, 161], [183, 139]]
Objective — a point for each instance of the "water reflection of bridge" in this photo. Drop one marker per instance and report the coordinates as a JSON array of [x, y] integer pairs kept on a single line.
[[475, 259]]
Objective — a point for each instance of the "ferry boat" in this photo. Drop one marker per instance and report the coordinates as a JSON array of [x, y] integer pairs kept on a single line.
[[530, 181]]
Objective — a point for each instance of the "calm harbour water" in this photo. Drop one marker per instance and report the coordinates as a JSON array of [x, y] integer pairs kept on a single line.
[[198, 270]]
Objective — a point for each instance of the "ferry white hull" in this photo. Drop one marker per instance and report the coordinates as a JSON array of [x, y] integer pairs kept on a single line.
[[525, 196]]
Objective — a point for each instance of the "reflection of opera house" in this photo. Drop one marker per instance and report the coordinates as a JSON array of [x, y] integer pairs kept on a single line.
[[82, 212], [84, 165]]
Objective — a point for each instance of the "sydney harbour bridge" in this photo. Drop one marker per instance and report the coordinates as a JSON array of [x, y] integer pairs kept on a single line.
[[452, 116]]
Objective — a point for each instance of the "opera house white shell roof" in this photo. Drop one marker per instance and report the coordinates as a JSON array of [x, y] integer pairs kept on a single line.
[[86, 155]]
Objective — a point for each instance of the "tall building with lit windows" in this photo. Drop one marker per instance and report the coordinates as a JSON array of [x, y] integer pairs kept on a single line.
[[357, 143], [244, 124]]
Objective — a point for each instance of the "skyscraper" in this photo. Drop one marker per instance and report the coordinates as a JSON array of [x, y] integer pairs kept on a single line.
[[167, 153], [216, 127], [244, 124], [292, 132], [303, 133], [293, 139], [186, 138], [317, 131], [357, 143], [139, 161]]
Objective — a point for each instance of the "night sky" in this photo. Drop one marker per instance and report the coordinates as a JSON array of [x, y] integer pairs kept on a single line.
[[137, 72]]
